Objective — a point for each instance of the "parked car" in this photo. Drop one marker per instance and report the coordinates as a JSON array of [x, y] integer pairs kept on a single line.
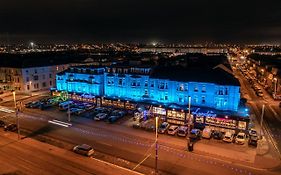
[[240, 138], [100, 116], [173, 129], [183, 130], [33, 104], [228, 137], [207, 133], [10, 127], [75, 111], [195, 134], [113, 119], [2, 123], [253, 132], [253, 140], [163, 127], [64, 105], [217, 135], [84, 149]]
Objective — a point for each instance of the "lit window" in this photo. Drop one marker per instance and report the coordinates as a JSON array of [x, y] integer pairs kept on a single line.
[[203, 88]]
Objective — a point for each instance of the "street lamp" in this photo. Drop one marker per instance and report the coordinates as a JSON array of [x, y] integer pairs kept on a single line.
[[275, 85], [17, 117], [156, 145]]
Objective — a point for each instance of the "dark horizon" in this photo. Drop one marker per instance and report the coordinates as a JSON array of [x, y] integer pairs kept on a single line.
[[92, 21]]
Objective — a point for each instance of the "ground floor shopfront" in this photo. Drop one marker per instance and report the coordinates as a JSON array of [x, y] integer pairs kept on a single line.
[[179, 115]]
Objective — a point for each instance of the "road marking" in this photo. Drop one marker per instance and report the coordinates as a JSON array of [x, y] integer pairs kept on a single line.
[[69, 124], [58, 123], [3, 109]]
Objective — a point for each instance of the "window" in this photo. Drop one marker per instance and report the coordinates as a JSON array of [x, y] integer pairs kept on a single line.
[[152, 84], [44, 77], [145, 83], [203, 100], [146, 92], [226, 91], [35, 77], [51, 83], [161, 85], [26, 71], [35, 71], [181, 87], [195, 88], [44, 84], [50, 75], [134, 84], [203, 88], [28, 87], [120, 82], [166, 97], [27, 79]]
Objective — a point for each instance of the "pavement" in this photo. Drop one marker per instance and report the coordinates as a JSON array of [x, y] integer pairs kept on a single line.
[[29, 156]]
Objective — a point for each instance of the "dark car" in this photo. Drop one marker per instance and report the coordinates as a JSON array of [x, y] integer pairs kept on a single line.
[[217, 135], [113, 119], [2, 123], [253, 140], [195, 134], [10, 127], [33, 104]]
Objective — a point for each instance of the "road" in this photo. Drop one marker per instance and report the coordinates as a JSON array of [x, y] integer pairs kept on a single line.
[[131, 145], [272, 113], [29, 156]]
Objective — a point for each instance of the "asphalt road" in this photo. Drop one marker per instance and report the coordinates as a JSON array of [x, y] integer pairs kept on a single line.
[[272, 113], [131, 146], [29, 156]]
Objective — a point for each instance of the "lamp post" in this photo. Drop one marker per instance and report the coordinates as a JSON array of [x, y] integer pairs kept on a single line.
[[275, 85], [68, 108], [262, 114], [156, 145], [189, 115], [17, 117]]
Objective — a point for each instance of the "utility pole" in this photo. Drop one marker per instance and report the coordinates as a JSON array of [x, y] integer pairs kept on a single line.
[[156, 145], [262, 114], [17, 116]]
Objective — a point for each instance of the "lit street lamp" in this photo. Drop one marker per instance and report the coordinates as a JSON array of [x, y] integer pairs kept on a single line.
[[17, 117], [156, 145]]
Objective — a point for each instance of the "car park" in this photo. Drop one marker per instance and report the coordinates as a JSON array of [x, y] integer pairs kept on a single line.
[[183, 130], [163, 127], [10, 127], [195, 134], [253, 140], [100, 116], [173, 129], [240, 138], [207, 133], [84, 149], [217, 135], [228, 137]]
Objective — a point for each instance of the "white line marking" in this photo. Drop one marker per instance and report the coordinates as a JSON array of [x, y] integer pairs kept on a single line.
[[58, 123]]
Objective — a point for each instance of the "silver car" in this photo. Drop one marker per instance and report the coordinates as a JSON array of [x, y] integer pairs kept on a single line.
[[84, 149]]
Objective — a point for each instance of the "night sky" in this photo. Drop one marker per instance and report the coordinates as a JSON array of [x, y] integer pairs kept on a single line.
[[180, 21]]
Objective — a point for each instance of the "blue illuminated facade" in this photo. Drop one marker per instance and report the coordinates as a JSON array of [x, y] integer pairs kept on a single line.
[[142, 84]]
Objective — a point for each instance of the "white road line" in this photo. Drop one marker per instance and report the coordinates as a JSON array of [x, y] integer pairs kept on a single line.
[[58, 121], [50, 121]]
